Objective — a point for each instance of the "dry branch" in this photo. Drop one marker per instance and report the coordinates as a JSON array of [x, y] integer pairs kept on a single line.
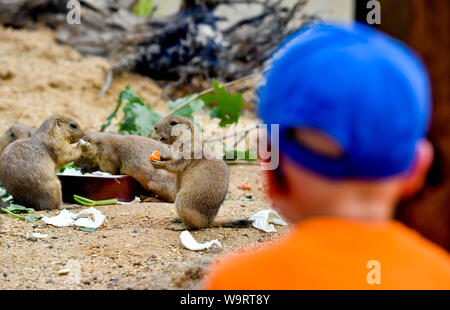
[[177, 47], [235, 133]]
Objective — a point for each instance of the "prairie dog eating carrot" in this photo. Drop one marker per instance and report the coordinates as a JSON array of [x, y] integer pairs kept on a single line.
[[202, 181]]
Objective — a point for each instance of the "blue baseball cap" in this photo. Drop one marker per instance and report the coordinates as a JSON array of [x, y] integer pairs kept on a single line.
[[361, 87]]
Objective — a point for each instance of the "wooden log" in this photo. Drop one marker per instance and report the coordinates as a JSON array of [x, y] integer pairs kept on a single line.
[[424, 25]]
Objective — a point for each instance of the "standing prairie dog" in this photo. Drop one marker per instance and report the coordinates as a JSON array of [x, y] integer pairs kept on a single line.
[[119, 154], [15, 132], [28, 166], [202, 179]]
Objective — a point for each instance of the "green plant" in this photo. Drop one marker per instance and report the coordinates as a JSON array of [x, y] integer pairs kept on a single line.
[[15, 209], [196, 105], [226, 107], [139, 118], [89, 202], [143, 8], [70, 165], [231, 153], [4, 196]]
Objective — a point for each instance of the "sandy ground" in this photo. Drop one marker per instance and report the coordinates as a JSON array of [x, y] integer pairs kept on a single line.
[[134, 249]]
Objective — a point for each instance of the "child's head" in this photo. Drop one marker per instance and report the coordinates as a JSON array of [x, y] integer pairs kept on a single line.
[[353, 106]]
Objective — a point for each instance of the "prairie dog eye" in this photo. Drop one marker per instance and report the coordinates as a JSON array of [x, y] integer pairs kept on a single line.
[[173, 123], [12, 135], [73, 125]]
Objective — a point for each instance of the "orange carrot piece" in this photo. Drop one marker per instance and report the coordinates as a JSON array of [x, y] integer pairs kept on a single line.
[[244, 186], [155, 155]]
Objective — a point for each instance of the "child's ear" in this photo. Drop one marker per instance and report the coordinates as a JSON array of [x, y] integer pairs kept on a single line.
[[272, 187], [415, 177], [276, 182]]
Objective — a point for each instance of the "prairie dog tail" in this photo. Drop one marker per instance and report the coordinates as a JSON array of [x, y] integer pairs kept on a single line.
[[233, 224]]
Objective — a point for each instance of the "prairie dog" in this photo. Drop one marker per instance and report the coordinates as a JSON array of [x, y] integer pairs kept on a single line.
[[119, 154], [202, 180], [15, 132], [28, 166]]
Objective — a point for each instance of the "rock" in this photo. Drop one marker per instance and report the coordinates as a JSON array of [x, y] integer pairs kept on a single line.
[[6, 75], [63, 272]]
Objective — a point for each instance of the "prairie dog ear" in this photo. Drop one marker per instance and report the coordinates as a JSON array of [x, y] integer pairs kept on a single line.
[[58, 122]]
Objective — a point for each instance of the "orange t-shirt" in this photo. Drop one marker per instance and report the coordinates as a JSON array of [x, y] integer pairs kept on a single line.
[[332, 253]]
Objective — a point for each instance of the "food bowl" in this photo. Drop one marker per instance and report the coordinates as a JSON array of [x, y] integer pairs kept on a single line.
[[122, 187]]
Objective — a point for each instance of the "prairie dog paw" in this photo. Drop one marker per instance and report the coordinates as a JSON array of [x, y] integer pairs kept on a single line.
[[157, 164], [84, 145]]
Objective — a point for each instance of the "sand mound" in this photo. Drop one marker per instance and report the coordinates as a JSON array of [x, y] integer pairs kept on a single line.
[[39, 77]]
